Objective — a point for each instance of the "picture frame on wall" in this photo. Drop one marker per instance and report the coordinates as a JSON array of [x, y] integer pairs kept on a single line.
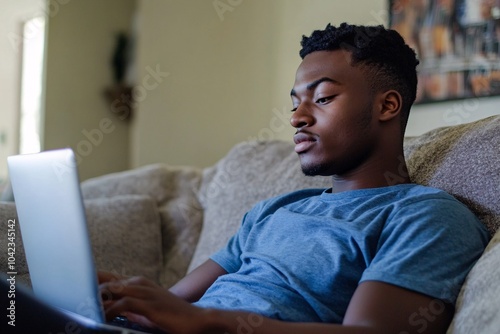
[[457, 43]]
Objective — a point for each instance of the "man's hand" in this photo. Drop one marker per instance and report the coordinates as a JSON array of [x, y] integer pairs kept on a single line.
[[150, 305]]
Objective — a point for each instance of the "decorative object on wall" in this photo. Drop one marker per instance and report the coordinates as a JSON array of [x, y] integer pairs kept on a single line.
[[457, 42], [120, 94]]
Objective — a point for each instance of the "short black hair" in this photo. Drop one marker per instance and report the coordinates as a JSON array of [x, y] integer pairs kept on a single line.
[[389, 61]]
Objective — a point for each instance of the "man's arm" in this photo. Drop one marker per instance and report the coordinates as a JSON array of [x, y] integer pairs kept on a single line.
[[376, 307], [194, 285], [397, 310]]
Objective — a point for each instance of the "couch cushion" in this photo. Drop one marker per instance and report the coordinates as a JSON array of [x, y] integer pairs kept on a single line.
[[124, 232], [463, 160], [478, 305], [126, 235], [174, 189], [250, 172]]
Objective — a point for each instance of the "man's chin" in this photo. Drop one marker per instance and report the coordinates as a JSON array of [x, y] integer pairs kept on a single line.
[[314, 170]]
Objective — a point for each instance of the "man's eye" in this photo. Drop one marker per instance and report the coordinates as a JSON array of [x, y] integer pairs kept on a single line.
[[324, 99], [293, 109]]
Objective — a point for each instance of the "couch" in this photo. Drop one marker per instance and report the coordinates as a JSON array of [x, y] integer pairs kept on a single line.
[[161, 221]]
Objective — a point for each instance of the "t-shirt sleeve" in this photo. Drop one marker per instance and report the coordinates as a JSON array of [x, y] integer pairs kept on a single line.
[[428, 247]]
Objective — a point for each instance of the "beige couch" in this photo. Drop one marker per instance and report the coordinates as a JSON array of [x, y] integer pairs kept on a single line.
[[162, 221]]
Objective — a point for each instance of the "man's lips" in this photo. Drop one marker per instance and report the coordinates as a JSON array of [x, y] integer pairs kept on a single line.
[[303, 141]]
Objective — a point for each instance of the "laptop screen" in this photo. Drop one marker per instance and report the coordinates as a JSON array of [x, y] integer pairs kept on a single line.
[[54, 231]]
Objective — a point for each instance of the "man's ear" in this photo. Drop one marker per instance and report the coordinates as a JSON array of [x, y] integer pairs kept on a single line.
[[390, 103]]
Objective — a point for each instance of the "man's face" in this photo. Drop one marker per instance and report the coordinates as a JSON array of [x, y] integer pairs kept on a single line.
[[333, 105]]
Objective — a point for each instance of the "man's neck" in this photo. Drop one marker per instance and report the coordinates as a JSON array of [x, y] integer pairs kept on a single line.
[[381, 172]]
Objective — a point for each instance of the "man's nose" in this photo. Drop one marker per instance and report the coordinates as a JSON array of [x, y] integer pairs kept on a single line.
[[302, 117]]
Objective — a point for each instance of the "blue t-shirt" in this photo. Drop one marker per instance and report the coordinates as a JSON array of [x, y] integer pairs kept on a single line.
[[301, 256]]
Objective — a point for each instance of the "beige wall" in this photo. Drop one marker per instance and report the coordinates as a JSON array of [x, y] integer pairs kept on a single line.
[[12, 16], [230, 75], [81, 38], [426, 117]]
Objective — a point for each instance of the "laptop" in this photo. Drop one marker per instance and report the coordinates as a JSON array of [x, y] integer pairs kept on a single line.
[[56, 241]]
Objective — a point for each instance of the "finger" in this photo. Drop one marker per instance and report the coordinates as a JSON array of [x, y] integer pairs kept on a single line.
[[139, 319], [141, 312], [140, 280], [107, 276], [127, 288], [116, 288], [127, 305], [111, 290]]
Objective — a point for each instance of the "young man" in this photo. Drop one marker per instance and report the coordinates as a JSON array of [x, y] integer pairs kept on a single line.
[[365, 256]]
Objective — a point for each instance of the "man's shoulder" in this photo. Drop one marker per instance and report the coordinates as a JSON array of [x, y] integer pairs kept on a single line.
[[415, 194], [435, 208]]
